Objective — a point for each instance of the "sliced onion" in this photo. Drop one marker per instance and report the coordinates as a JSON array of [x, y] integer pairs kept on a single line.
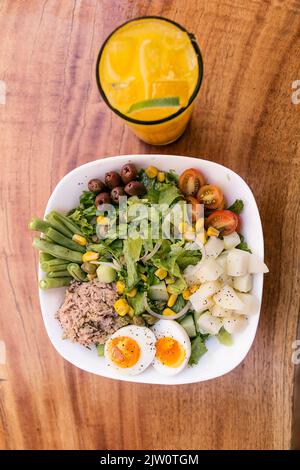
[[201, 248], [166, 317], [112, 265], [152, 253]]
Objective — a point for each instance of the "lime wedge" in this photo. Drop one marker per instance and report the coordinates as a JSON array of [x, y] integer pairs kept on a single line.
[[166, 102]]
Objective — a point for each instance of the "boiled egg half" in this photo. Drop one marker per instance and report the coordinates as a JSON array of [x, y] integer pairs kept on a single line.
[[173, 347], [130, 349]]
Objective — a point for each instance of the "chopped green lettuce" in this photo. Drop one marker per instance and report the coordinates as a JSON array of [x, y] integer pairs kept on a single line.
[[132, 251], [137, 303], [168, 194], [198, 349], [188, 257], [87, 199], [243, 245], [237, 206], [78, 217]]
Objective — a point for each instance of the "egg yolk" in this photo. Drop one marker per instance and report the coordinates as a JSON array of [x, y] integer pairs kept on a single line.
[[169, 352], [124, 351]]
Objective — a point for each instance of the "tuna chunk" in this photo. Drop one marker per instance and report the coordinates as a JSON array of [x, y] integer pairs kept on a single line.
[[87, 315]]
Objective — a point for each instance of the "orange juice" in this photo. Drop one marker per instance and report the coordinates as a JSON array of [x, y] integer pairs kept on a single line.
[[149, 72]]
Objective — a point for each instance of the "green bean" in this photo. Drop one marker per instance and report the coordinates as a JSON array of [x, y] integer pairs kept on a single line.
[[98, 248], [55, 223], [55, 274], [64, 241], [45, 257], [59, 267], [51, 283], [38, 225], [76, 272], [68, 223], [55, 262], [57, 250], [48, 239]]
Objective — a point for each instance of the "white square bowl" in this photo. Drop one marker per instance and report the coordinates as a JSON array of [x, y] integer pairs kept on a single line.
[[219, 359]]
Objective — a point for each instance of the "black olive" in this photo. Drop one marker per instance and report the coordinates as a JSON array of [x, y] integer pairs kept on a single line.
[[116, 193], [128, 173], [112, 179], [135, 188], [96, 186]]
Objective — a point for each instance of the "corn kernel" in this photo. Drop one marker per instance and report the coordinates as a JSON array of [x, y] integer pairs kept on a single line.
[[144, 277], [212, 232], [90, 256], [151, 172], [168, 311], [161, 273], [161, 176], [194, 288], [199, 225], [79, 239], [131, 311], [91, 276], [102, 220], [132, 293], [120, 285], [121, 307], [186, 294], [172, 300], [169, 280], [169, 289]]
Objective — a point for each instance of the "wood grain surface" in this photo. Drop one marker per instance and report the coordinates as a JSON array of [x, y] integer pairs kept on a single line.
[[54, 120]]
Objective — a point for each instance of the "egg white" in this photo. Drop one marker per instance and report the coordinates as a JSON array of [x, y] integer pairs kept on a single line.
[[171, 329], [146, 341]]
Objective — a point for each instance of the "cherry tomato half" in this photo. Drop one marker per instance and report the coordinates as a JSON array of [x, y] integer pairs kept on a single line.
[[223, 220], [196, 210], [190, 182], [211, 196]]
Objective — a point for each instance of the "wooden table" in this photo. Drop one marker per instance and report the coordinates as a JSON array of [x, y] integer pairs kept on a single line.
[[54, 120]]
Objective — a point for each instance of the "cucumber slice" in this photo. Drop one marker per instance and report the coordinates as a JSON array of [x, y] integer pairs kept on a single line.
[[106, 274], [224, 337], [196, 318], [188, 324], [155, 103], [100, 349], [158, 292]]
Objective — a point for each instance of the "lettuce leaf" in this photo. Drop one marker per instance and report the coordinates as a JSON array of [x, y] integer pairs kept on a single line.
[[198, 349], [78, 217], [237, 206], [243, 245], [87, 199], [132, 250], [169, 262], [168, 194], [137, 303], [189, 257]]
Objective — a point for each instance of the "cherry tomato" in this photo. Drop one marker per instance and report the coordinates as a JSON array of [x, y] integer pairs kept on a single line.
[[190, 182], [211, 196], [196, 211], [223, 220]]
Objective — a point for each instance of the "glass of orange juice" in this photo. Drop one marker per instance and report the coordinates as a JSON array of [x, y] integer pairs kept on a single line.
[[149, 72]]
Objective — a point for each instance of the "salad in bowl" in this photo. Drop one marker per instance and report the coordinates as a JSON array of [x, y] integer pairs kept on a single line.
[[152, 265]]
